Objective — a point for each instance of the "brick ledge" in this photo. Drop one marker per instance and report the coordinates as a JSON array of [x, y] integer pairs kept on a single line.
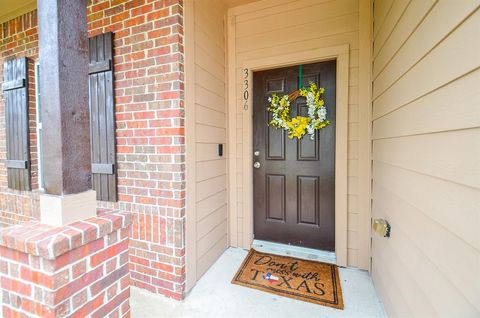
[[50, 242]]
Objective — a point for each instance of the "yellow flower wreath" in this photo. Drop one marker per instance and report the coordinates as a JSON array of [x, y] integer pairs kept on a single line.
[[299, 126]]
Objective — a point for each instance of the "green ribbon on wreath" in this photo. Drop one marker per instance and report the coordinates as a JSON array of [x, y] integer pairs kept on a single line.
[[300, 76]]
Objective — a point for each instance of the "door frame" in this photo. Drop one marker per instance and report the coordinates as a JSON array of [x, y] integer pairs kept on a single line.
[[339, 53]]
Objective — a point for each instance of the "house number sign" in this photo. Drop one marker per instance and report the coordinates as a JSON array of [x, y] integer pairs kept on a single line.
[[245, 89]]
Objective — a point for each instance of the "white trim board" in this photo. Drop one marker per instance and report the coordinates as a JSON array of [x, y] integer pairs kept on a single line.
[[39, 127]]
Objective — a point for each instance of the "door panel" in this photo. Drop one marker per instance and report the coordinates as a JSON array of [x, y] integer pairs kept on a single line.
[[276, 197], [307, 194], [294, 186], [275, 142]]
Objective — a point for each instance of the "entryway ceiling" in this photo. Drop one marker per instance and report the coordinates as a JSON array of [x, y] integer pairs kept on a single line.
[[235, 3], [10, 9]]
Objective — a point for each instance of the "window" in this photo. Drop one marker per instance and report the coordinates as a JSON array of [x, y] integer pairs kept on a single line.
[[39, 126], [102, 118]]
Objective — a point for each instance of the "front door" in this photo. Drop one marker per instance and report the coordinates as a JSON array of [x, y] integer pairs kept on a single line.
[[294, 180]]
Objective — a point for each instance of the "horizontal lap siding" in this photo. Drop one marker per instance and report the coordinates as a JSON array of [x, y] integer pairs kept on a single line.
[[295, 26], [210, 130], [426, 149]]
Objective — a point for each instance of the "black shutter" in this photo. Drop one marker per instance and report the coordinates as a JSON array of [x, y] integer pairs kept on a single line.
[[102, 117], [15, 92]]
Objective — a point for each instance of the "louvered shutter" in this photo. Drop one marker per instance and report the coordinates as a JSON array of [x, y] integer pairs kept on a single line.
[[102, 117], [15, 92]]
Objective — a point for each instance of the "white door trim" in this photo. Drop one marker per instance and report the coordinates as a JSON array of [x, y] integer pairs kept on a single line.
[[341, 55]]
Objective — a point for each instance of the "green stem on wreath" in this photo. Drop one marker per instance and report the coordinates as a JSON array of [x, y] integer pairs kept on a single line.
[[300, 76]]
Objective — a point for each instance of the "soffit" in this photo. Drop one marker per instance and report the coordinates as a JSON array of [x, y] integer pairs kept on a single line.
[[10, 9]]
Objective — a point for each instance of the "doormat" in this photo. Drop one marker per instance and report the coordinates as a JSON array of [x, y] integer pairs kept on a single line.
[[300, 279]]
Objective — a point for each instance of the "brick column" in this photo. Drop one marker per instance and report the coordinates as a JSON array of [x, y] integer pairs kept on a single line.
[[77, 270]]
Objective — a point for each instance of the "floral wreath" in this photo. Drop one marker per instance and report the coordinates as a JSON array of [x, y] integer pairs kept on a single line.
[[300, 125]]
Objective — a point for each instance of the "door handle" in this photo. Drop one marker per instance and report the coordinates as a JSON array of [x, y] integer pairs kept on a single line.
[[256, 165]]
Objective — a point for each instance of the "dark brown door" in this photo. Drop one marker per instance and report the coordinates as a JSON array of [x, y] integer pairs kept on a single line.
[[294, 187]]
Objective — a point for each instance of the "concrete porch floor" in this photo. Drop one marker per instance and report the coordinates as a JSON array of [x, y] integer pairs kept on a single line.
[[215, 296]]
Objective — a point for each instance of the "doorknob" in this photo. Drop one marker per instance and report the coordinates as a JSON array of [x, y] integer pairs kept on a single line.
[[256, 164]]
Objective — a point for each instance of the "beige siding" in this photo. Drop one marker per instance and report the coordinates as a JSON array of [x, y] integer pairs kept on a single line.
[[271, 28], [426, 155], [209, 99]]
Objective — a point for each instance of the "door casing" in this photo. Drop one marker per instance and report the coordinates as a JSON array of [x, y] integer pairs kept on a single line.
[[341, 55]]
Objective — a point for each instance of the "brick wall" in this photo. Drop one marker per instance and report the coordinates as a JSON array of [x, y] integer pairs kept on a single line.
[[149, 89], [75, 271]]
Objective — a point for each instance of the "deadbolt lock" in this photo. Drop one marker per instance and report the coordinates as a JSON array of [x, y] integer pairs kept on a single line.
[[256, 153]]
